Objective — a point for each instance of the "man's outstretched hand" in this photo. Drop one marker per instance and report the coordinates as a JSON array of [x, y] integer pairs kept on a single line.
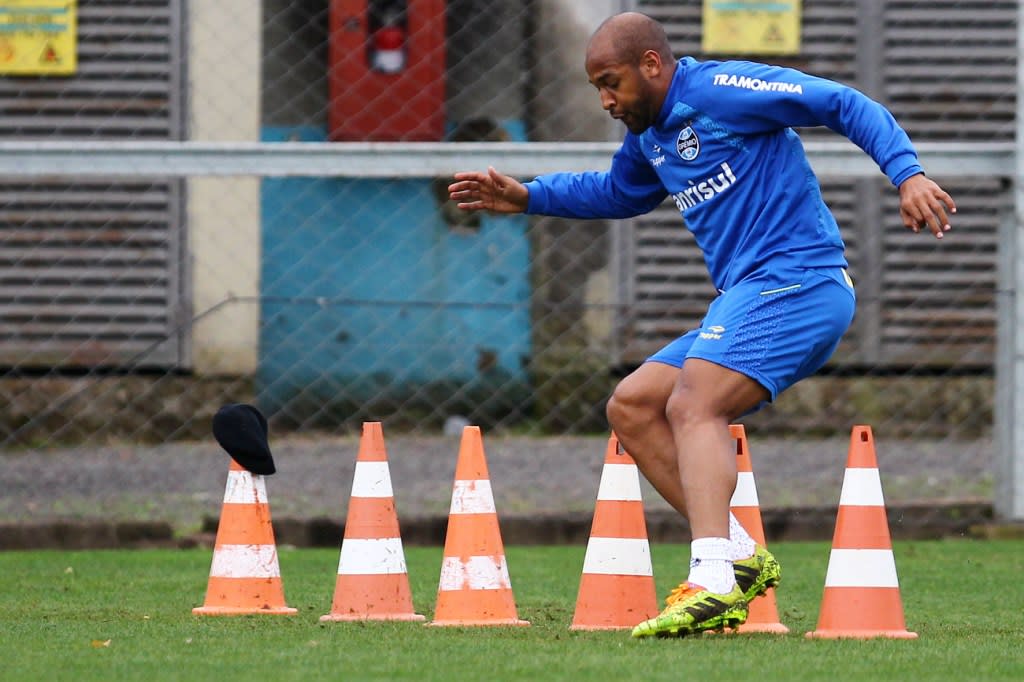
[[490, 191], [923, 204]]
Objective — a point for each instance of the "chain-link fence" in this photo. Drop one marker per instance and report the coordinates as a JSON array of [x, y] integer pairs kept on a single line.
[[135, 305]]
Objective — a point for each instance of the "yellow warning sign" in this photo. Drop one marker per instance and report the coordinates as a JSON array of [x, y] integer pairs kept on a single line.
[[751, 27], [38, 37]]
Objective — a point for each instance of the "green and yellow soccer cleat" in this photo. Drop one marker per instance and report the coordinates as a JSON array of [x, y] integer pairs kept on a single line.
[[692, 609], [756, 574]]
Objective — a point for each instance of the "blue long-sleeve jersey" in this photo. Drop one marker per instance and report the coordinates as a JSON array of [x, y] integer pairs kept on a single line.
[[723, 148]]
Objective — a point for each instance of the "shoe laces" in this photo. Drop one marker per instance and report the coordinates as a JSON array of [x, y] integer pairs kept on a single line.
[[681, 592]]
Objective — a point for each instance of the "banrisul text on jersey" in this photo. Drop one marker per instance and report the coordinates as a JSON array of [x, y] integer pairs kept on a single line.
[[704, 190]]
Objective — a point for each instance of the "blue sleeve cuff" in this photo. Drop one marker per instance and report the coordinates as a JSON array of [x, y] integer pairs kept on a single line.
[[902, 167], [533, 202]]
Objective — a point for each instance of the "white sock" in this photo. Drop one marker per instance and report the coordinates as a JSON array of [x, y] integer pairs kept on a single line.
[[741, 545], [711, 565]]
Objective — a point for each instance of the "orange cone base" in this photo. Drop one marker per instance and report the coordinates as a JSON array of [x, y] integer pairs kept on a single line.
[[861, 613], [769, 628], [239, 611], [754, 628], [372, 597], [584, 628], [614, 602], [476, 607], [459, 623], [375, 616], [264, 596], [764, 616], [861, 634]]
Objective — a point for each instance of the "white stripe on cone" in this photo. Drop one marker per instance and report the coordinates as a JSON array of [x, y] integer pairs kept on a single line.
[[476, 573], [861, 568], [619, 482], [371, 556], [372, 479], [862, 488], [245, 561], [472, 497], [745, 494], [618, 556], [245, 488]]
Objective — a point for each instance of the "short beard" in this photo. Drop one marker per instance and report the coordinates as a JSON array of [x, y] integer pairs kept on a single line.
[[647, 119]]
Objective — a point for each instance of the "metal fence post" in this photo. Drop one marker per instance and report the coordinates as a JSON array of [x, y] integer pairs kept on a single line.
[[1009, 460]]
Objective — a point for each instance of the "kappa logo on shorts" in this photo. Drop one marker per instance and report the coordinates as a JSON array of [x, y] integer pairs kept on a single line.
[[713, 333], [688, 144]]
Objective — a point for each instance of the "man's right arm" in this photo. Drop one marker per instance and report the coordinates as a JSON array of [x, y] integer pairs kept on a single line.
[[629, 188]]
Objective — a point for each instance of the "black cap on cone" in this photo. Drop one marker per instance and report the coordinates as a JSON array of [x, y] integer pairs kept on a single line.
[[242, 431]]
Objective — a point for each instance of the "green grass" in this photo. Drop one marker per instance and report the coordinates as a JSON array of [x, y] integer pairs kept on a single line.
[[58, 609]]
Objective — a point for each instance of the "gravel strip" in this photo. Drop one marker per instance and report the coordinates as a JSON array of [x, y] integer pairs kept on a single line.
[[183, 483]]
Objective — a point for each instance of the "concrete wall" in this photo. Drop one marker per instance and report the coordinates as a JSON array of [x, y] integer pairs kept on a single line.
[[223, 213]]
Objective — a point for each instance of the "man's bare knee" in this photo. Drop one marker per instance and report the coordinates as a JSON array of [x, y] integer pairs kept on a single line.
[[638, 401], [625, 410], [631, 407], [685, 409]]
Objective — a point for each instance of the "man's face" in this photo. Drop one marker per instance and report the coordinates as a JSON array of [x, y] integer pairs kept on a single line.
[[625, 91]]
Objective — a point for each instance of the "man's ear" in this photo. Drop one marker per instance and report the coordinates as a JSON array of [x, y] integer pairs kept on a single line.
[[650, 64]]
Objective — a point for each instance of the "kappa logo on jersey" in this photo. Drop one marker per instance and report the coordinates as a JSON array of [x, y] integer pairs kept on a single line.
[[713, 333], [659, 158], [688, 144]]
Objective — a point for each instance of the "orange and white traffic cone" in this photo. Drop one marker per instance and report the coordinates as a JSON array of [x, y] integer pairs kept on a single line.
[[764, 611], [617, 587], [372, 582], [475, 588], [245, 576], [862, 592]]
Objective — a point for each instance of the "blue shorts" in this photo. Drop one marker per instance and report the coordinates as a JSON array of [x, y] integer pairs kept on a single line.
[[776, 327]]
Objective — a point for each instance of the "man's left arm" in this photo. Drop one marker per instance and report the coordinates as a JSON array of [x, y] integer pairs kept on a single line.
[[777, 97]]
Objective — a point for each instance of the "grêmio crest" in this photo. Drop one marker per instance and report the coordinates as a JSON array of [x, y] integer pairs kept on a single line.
[[688, 144]]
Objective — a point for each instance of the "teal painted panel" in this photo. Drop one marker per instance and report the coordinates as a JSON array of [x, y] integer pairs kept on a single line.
[[368, 294]]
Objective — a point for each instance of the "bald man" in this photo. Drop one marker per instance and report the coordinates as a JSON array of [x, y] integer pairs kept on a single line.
[[717, 137]]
